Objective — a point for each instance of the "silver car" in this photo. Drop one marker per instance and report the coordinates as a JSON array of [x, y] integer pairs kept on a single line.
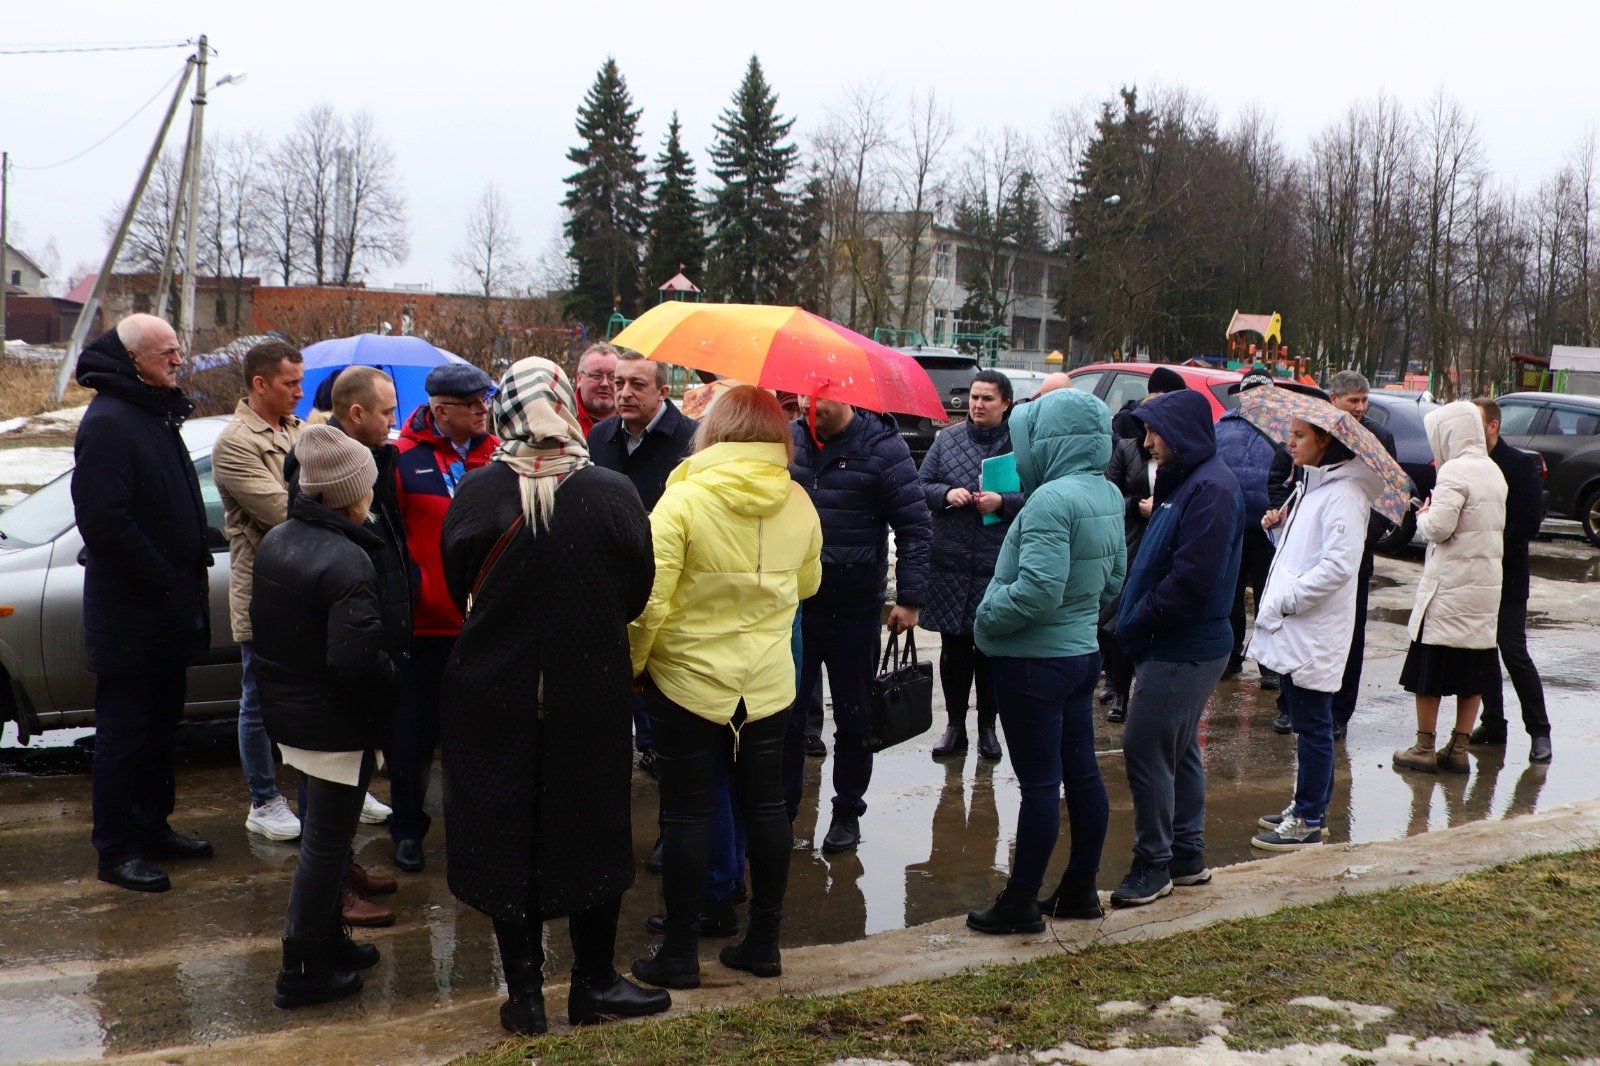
[[45, 681]]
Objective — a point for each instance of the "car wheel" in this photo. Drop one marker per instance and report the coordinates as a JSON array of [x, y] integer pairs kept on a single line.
[[1400, 537], [1589, 515]]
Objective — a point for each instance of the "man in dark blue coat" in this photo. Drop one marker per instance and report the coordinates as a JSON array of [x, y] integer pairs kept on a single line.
[[145, 595], [1174, 624], [862, 480]]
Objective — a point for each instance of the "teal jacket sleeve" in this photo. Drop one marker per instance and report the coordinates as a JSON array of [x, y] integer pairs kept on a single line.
[[1044, 558]]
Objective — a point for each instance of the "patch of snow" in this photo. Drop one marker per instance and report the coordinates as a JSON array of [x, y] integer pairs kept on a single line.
[[1360, 1014], [1116, 1007], [12, 423], [1460, 1050], [34, 466], [1200, 1008], [65, 418]]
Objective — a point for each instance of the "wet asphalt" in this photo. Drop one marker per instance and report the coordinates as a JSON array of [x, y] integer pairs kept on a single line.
[[87, 970]]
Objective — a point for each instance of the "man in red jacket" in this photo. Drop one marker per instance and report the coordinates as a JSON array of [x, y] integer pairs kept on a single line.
[[439, 444]]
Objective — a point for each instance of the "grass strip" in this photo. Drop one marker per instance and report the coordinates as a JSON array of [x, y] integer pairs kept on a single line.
[[1514, 950]]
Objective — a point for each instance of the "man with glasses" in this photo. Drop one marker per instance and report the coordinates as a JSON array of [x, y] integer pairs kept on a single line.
[[597, 397], [441, 441]]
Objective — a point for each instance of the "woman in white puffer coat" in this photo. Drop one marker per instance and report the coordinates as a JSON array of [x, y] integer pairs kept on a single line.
[[1303, 625], [1458, 599]]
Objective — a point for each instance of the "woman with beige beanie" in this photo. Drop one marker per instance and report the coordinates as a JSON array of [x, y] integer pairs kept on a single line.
[[324, 637]]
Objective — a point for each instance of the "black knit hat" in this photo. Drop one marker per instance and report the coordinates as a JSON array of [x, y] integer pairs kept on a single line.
[[1166, 379]]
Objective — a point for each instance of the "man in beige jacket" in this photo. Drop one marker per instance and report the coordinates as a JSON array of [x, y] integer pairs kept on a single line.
[[247, 466]]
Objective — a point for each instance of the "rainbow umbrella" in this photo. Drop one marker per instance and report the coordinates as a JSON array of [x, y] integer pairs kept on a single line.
[[1271, 408], [784, 348]]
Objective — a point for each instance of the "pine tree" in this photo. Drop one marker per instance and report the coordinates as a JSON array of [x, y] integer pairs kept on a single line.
[[753, 244], [605, 203], [677, 239]]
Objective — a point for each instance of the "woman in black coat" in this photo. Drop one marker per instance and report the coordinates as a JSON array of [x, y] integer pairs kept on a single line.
[[326, 627], [963, 552], [1132, 471], [549, 558]]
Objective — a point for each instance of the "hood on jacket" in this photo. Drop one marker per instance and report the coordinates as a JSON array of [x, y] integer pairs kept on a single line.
[[1062, 432], [105, 366], [1454, 430], [1183, 420], [751, 479]]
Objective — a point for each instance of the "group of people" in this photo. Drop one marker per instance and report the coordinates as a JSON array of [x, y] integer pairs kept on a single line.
[[541, 578]]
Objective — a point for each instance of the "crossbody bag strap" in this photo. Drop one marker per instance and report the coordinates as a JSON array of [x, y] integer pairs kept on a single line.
[[498, 550]]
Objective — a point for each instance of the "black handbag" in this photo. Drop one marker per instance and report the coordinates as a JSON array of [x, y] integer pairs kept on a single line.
[[902, 696]]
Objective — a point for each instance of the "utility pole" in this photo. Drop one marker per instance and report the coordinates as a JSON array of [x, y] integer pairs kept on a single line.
[[169, 253], [92, 304], [186, 310], [5, 275]]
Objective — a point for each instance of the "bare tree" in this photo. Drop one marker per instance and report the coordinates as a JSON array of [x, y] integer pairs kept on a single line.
[[370, 220], [918, 179], [229, 225], [848, 156], [489, 257], [280, 236], [1449, 165]]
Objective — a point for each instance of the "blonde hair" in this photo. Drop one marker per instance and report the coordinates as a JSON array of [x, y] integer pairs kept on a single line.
[[745, 415]]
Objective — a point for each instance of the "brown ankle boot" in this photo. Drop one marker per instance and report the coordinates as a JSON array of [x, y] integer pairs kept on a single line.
[[1419, 756], [1453, 756]]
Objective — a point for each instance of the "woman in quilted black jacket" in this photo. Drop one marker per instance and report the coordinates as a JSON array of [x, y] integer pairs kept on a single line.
[[962, 556]]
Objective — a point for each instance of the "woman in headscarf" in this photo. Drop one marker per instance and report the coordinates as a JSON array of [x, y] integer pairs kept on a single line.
[[549, 558]]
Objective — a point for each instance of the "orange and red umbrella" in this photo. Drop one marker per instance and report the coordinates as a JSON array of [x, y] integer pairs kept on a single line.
[[784, 348]]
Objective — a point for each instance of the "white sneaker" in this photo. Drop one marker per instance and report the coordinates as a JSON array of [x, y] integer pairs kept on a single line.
[[273, 820], [373, 812]]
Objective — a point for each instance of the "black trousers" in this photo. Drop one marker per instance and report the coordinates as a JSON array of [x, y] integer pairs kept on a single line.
[[960, 662], [1344, 701], [132, 773], [1255, 561], [328, 819], [1511, 633], [594, 944], [813, 707], [415, 735], [690, 749]]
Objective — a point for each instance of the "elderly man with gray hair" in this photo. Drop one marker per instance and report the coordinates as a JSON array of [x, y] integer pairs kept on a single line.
[[1347, 390]]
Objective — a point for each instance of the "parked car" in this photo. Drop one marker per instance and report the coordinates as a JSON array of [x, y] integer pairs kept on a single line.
[[1401, 413], [952, 373], [1565, 431], [44, 672], [1117, 383], [1024, 383]]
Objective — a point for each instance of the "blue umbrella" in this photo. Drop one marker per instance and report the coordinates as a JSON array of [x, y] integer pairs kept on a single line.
[[405, 359]]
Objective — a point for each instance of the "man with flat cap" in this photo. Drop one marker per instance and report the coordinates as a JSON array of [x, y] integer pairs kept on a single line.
[[440, 442]]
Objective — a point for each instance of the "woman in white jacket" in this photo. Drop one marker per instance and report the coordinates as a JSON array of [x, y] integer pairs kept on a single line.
[[1453, 650], [1302, 628]]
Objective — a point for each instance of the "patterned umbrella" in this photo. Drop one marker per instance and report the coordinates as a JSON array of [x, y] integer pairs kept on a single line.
[[1271, 408], [784, 348]]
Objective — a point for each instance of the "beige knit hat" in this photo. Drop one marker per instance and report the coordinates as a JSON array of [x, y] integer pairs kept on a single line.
[[333, 467]]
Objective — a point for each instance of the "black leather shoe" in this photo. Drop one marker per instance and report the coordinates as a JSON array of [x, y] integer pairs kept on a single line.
[[954, 742], [815, 748], [843, 835], [1540, 751], [989, 745], [1281, 726], [139, 875], [1489, 733], [1117, 713], [1270, 681], [654, 863], [174, 845], [594, 1001], [666, 971], [523, 1014], [649, 764], [408, 856]]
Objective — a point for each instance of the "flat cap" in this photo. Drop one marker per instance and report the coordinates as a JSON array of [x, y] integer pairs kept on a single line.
[[457, 379]]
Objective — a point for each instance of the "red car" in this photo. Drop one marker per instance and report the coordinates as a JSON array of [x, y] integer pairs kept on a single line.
[[1117, 383]]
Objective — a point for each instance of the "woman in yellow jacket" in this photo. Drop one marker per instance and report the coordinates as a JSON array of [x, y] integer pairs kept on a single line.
[[737, 546]]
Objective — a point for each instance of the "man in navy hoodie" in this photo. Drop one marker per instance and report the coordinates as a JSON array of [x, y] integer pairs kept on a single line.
[[1174, 624]]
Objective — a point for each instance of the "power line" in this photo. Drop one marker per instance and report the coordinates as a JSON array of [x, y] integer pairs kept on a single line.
[[124, 125], [68, 49]]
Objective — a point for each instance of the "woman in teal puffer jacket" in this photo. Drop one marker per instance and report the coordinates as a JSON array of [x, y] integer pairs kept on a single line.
[[1063, 560]]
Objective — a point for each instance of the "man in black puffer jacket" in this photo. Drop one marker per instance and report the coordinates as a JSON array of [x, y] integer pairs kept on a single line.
[[146, 614], [863, 482]]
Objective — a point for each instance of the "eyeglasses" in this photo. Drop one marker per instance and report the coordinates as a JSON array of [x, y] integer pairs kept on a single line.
[[598, 377], [476, 406]]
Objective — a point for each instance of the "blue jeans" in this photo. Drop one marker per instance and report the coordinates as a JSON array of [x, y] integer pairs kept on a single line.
[[1311, 714], [1161, 749], [1047, 712], [846, 642], [255, 748]]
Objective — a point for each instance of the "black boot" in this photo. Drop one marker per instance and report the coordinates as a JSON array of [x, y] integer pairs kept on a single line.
[[308, 977], [595, 999], [674, 965], [1490, 732], [954, 741], [1074, 897], [1014, 911], [989, 744], [522, 961], [343, 952], [758, 953]]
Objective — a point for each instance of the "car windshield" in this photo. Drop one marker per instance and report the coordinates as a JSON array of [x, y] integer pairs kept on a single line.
[[40, 518], [1228, 400]]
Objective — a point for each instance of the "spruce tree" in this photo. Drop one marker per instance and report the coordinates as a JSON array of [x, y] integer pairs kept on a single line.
[[754, 246], [677, 239], [605, 203]]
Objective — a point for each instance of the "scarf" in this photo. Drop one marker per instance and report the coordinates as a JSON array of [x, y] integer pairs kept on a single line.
[[535, 417]]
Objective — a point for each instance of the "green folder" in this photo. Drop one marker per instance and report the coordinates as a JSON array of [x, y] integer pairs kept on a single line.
[[999, 475]]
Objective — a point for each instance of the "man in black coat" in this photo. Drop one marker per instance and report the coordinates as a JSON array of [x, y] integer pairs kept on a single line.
[[1524, 515], [146, 610], [863, 482]]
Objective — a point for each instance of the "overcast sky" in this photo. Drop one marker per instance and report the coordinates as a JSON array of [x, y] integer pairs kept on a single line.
[[470, 92]]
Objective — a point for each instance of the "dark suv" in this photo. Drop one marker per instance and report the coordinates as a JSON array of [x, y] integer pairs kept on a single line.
[[952, 373], [1401, 413], [1565, 430]]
